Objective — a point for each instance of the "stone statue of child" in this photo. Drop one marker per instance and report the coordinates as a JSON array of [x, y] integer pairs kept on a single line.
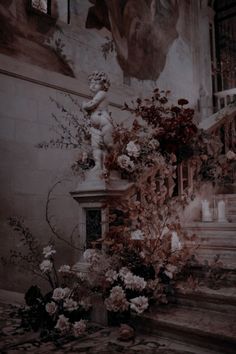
[[97, 110]]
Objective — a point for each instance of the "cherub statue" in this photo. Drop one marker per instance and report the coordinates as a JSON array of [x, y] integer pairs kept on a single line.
[[97, 110]]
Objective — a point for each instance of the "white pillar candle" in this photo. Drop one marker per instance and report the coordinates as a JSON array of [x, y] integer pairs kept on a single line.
[[175, 242], [206, 214], [221, 211]]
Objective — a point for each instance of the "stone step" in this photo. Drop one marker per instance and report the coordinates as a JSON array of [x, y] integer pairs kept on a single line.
[[214, 238], [205, 328], [222, 300], [198, 226]]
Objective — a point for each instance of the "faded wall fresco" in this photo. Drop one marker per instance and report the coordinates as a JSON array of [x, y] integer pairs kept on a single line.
[[24, 35], [142, 31]]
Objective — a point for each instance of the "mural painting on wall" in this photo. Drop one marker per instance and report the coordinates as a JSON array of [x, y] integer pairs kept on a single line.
[[26, 30], [142, 30]]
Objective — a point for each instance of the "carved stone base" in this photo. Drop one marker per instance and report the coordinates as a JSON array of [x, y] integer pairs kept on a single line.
[[96, 189]]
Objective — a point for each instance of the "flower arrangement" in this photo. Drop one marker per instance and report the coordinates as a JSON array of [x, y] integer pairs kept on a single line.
[[146, 251], [65, 309]]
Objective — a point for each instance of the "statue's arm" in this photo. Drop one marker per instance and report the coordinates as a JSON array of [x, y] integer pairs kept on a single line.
[[94, 103]]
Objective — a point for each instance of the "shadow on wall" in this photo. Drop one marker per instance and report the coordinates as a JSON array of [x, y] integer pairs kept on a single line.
[[24, 34], [142, 30]]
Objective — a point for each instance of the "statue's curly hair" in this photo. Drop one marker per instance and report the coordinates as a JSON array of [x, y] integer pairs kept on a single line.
[[102, 78]]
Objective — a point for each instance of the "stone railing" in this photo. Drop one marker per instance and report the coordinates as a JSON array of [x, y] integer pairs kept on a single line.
[[224, 98], [222, 124]]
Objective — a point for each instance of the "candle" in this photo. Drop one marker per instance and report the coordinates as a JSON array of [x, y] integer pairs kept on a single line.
[[175, 242], [206, 214], [221, 211]]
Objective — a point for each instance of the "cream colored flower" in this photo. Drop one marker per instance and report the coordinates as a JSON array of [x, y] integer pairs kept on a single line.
[[134, 282], [117, 301], [64, 269], [48, 251], [51, 308], [79, 328], [139, 304], [125, 163], [133, 149], [153, 144], [111, 276], [63, 324], [46, 266], [70, 304], [231, 155], [91, 256], [137, 235], [60, 293]]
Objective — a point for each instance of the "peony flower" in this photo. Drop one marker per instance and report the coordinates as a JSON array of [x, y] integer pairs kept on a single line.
[[64, 269], [70, 305], [79, 328], [125, 163], [231, 155], [139, 304], [51, 308], [60, 293], [111, 276], [91, 256], [133, 149], [134, 282], [117, 300], [123, 271], [48, 251], [137, 235], [45, 266], [63, 324]]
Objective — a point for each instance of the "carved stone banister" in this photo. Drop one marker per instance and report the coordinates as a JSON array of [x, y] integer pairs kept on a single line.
[[223, 124], [224, 98], [225, 115]]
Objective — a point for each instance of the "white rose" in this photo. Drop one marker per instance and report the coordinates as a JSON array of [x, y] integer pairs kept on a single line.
[[133, 149], [51, 308], [46, 266]]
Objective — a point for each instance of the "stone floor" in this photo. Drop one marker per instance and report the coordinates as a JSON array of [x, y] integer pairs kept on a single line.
[[99, 340]]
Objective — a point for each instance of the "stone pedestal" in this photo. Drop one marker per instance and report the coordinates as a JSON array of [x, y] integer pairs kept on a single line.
[[92, 195]]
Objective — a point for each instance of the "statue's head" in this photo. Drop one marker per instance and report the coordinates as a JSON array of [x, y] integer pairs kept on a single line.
[[99, 78]]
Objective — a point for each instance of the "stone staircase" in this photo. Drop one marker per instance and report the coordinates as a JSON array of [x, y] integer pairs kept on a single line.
[[203, 321]]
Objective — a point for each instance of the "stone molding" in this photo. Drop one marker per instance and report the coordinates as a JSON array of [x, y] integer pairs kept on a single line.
[[76, 86]]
